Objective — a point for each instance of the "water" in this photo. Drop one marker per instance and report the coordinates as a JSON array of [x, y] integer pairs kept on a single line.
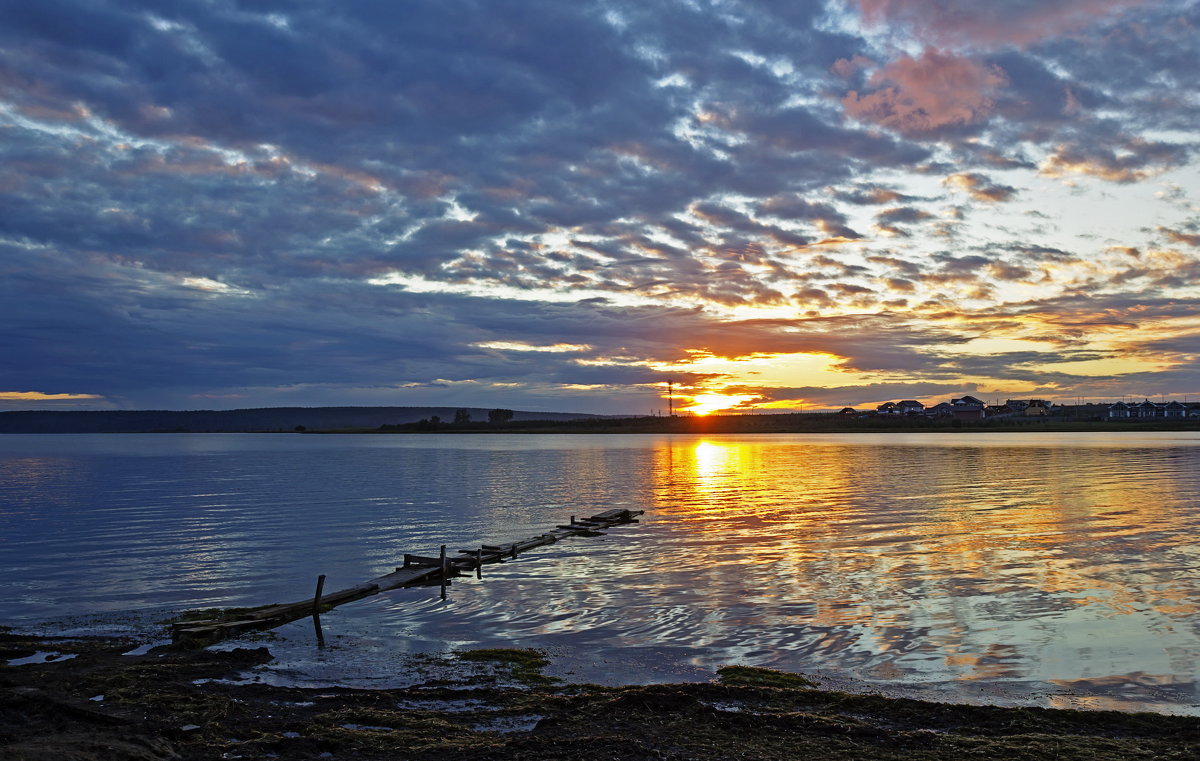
[[1039, 569]]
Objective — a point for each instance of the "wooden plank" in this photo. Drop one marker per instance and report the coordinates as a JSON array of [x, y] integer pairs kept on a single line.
[[616, 514], [420, 561], [403, 577]]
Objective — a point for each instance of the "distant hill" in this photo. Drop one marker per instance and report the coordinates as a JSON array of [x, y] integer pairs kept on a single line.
[[235, 421]]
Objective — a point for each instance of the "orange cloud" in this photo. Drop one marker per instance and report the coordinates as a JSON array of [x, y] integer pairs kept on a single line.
[[1174, 236], [38, 396], [980, 187], [1133, 160]]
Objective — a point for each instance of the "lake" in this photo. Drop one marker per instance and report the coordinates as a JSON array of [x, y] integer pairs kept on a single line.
[[1011, 568]]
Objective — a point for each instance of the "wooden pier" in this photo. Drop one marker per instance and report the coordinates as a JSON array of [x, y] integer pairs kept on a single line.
[[417, 571]]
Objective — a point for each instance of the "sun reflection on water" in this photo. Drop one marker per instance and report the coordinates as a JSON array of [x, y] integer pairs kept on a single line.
[[968, 563]]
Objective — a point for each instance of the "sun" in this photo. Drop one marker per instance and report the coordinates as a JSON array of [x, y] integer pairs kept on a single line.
[[706, 404]]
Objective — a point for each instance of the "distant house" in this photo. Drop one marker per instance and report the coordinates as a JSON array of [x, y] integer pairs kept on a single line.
[[847, 411], [999, 410], [1147, 409], [887, 408], [1171, 409], [967, 408], [909, 407], [1030, 407], [1038, 407], [941, 409]]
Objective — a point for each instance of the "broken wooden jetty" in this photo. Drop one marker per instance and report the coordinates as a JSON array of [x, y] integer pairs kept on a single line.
[[417, 571]]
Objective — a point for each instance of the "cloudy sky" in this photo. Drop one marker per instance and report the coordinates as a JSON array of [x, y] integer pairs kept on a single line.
[[559, 205]]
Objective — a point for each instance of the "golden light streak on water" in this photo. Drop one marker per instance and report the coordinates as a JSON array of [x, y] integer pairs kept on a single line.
[[1004, 561]]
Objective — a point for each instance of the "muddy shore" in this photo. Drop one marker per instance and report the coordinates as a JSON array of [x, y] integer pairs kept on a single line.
[[83, 699]]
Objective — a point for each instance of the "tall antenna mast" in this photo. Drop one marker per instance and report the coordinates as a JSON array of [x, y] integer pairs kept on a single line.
[[671, 398]]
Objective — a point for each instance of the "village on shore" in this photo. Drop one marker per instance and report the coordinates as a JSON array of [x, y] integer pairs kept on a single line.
[[972, 408]]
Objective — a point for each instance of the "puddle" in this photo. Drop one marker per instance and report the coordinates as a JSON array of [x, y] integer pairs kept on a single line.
[[241, 680], [146, 648], [42, 657], [446, 706]]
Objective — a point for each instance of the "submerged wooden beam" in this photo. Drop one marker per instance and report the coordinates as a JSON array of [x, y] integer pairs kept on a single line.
[[416, 571]]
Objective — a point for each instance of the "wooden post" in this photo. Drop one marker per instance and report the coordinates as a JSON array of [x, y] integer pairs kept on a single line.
[[445, 572], [317, 596], [317, 612], [479, 563], [317, 629]]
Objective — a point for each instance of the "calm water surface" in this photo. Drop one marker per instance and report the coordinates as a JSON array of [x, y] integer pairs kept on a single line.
[[1044, 569]]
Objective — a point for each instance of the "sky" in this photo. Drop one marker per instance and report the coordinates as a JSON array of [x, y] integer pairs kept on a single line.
[[548, 205]]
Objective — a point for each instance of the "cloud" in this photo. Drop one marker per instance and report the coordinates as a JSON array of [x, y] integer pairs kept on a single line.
[[1134, 160], [927, 95], [865, 397], [980, 187], [871, 195], [997, 24], [1176, 236], [318, 201], [19, 400]]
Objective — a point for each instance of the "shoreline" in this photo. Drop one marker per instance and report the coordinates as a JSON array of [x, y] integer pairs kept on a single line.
[[93, 702], [312, 421]]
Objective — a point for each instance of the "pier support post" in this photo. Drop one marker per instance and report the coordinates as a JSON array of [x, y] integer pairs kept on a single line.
[[317, 596], [316, 612], [445, 571]]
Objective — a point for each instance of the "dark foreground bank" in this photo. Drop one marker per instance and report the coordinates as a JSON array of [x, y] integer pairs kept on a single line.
[[496, 704]]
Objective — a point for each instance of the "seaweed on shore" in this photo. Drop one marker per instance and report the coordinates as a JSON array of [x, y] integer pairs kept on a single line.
[[176, 704], [523, 665]]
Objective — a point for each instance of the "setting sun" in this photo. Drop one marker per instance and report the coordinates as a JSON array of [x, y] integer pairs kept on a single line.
[[705, 404]]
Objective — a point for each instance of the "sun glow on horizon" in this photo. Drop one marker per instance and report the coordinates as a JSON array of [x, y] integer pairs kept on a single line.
[[708, 403]]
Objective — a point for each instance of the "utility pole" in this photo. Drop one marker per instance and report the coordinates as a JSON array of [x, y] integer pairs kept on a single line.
[[671, 398]]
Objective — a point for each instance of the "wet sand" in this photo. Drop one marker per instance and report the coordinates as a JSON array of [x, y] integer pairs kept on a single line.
[[83, 699]]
